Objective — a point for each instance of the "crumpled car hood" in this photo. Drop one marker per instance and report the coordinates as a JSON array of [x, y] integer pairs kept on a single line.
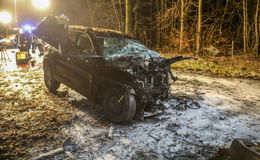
[[134, 59]]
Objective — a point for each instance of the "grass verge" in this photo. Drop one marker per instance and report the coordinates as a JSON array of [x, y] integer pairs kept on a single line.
[[241, 66]]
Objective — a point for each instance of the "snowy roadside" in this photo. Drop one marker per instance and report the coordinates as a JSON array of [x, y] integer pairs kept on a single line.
[[225, 109], [30, 118]]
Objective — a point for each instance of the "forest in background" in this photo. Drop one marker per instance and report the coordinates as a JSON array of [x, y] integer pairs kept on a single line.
[[224, 34], [206, 28]]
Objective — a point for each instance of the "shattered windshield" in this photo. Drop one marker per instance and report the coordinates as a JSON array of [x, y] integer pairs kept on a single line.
[[113, 47]]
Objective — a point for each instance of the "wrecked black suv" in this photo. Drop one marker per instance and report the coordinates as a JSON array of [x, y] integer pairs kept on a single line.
[[108, 67]]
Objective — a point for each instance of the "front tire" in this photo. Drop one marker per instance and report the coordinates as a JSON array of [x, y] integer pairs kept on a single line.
[[119, 106], [49, 80]]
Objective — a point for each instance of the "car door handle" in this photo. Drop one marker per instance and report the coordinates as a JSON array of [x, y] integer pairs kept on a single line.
[[68, 59]]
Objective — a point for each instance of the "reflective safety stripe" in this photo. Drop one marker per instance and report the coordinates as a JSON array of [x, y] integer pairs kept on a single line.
[[22, 55]]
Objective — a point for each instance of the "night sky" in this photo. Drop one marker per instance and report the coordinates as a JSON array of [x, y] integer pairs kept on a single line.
[[26, 13]]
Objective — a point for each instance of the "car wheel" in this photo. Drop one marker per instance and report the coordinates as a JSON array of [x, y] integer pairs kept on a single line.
[[49, 80], [118, 105]]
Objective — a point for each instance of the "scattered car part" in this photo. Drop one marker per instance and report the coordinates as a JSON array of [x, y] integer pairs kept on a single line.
[[242, 149]]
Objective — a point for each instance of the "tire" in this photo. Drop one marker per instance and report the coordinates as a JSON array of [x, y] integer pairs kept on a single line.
[[118, 105], [49, 80]]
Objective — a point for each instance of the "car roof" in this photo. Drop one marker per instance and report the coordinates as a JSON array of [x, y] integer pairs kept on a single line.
[[98, 31]]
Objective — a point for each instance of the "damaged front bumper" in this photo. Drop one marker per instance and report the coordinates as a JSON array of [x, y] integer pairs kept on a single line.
[[152, 80]]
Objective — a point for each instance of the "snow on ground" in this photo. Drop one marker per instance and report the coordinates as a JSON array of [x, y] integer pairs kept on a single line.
[[8, 62], [225, 109], [204, 114], [30, 118]]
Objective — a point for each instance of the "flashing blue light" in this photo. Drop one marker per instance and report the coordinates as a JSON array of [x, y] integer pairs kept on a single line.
[[27, 28]]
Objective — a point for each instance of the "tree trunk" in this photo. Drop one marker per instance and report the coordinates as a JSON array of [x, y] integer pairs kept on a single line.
[[163, 21], [182, 25], [121, 15], [129, 26], [158, 37], [198, 40], [90, 12], [257, 28], [116, 14], [150, 23], [245, 26], [223, 15]]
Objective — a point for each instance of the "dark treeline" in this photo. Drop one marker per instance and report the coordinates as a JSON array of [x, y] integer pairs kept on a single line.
[[179, 25]]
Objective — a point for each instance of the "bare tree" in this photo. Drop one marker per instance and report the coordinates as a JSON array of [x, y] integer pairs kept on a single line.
[[182, 25], [245, 26], [116, 14], [121, 14], [129, 22], [164, 16], [257, 28], [198, 40], [158, 28]]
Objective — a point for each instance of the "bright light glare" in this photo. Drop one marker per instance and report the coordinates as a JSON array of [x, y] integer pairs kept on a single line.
[[5, 17], [21, 31], [41, 4], [27, 28]]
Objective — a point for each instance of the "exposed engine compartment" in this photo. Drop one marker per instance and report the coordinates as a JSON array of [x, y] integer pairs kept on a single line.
[[152, 76]]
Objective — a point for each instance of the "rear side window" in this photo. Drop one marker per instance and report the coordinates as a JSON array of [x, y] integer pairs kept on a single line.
[[85, 44]]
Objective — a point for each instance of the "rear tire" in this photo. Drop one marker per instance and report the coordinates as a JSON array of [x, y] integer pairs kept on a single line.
[[49, 80], [119, 106]]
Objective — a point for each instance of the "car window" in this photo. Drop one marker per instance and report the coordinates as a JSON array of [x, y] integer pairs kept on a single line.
[[73, 36], [85, 44], [68, 43]]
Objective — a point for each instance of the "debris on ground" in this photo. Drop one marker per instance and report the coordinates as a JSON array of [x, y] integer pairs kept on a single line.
[[240, 149]]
